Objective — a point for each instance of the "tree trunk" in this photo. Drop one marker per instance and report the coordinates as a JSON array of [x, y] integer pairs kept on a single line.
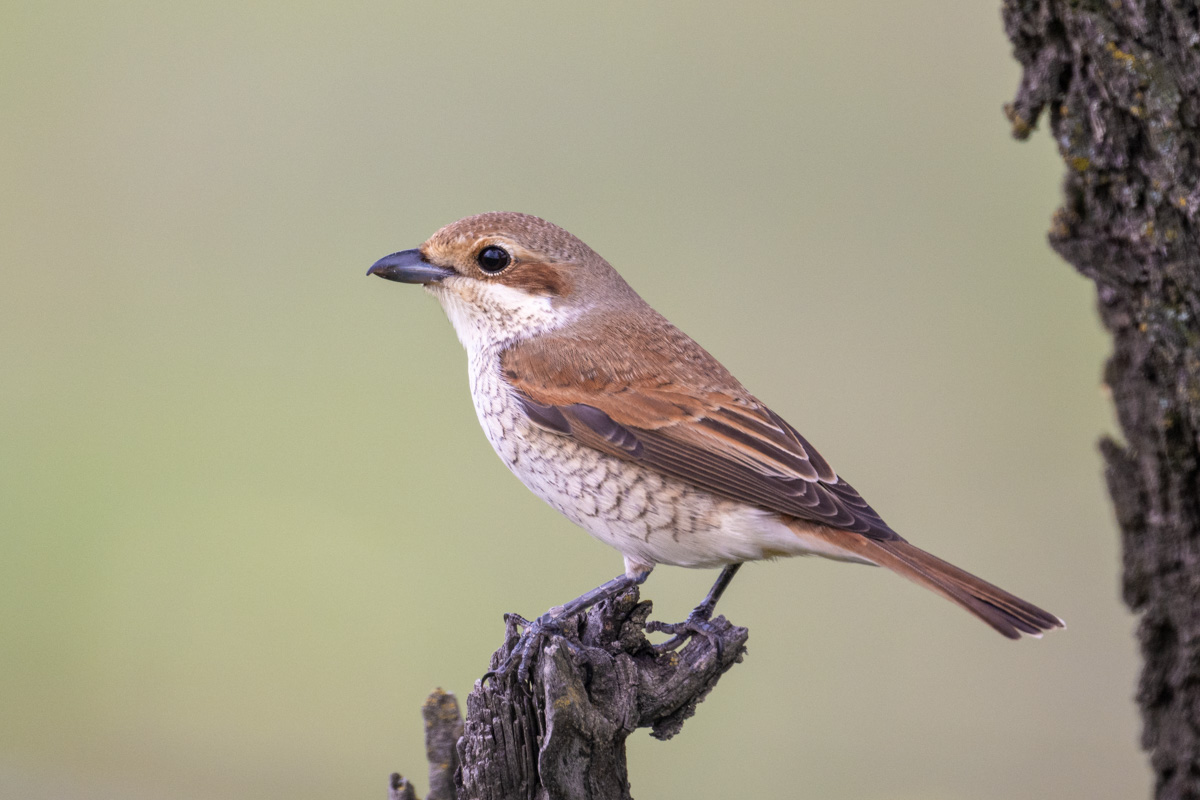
[[1121, 81], [562, 735]]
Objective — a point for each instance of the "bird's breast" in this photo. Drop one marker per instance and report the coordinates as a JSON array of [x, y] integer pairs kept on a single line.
[[649, 517]]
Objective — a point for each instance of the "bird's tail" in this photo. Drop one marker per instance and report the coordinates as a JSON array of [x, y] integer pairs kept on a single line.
[[1006, 613]]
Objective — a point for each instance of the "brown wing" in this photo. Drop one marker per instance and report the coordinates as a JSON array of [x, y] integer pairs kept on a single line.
[[676, 409]]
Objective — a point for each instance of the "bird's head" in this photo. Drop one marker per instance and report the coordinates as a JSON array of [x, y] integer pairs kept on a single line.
[[505, 276]]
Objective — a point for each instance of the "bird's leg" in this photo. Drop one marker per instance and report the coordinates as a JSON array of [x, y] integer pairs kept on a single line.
[[705, 609], [521, 655], [586, 600], [697, 621]]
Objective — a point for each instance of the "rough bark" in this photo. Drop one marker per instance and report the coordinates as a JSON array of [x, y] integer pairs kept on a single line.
[[1121, 84], [562, 735]]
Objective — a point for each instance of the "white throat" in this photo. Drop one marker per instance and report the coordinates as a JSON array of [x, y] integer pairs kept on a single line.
[[489, 316]]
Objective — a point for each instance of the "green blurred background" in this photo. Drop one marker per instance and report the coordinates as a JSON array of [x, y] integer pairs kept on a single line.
[[248, 521]]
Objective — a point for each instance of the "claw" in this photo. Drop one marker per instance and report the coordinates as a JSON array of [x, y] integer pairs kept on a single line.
[[523, 654], [696, 624]]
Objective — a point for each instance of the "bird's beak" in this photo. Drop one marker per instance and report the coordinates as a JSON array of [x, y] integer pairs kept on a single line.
[[408, 266]]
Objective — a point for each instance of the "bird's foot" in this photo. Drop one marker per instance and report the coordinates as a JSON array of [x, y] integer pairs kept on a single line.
[[698, 623], [523, 654]]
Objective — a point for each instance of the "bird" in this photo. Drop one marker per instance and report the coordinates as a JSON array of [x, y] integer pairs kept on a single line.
[[626, 426]]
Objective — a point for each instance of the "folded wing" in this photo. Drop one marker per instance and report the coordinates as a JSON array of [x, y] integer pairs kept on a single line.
[[688, 419]]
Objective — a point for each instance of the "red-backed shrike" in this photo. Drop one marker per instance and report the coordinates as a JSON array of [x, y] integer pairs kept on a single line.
[[631, 430]]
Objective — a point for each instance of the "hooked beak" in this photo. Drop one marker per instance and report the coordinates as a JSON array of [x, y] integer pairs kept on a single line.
[[408, 266]]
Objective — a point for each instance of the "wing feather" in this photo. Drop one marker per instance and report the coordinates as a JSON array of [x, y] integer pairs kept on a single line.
[[688, 418]]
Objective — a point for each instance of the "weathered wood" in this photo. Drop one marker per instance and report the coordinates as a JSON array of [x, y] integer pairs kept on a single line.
[[400, 789], [443, 729], [565, 734], [1121, 84], [562, 735]]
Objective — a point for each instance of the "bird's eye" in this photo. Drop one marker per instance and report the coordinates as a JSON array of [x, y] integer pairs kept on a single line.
[[493, 259]]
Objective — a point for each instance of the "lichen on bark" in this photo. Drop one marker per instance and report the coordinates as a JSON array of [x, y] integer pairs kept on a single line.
[[1120, 84]]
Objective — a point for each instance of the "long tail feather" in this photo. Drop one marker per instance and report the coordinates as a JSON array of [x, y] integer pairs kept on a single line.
[[1006, 613]]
